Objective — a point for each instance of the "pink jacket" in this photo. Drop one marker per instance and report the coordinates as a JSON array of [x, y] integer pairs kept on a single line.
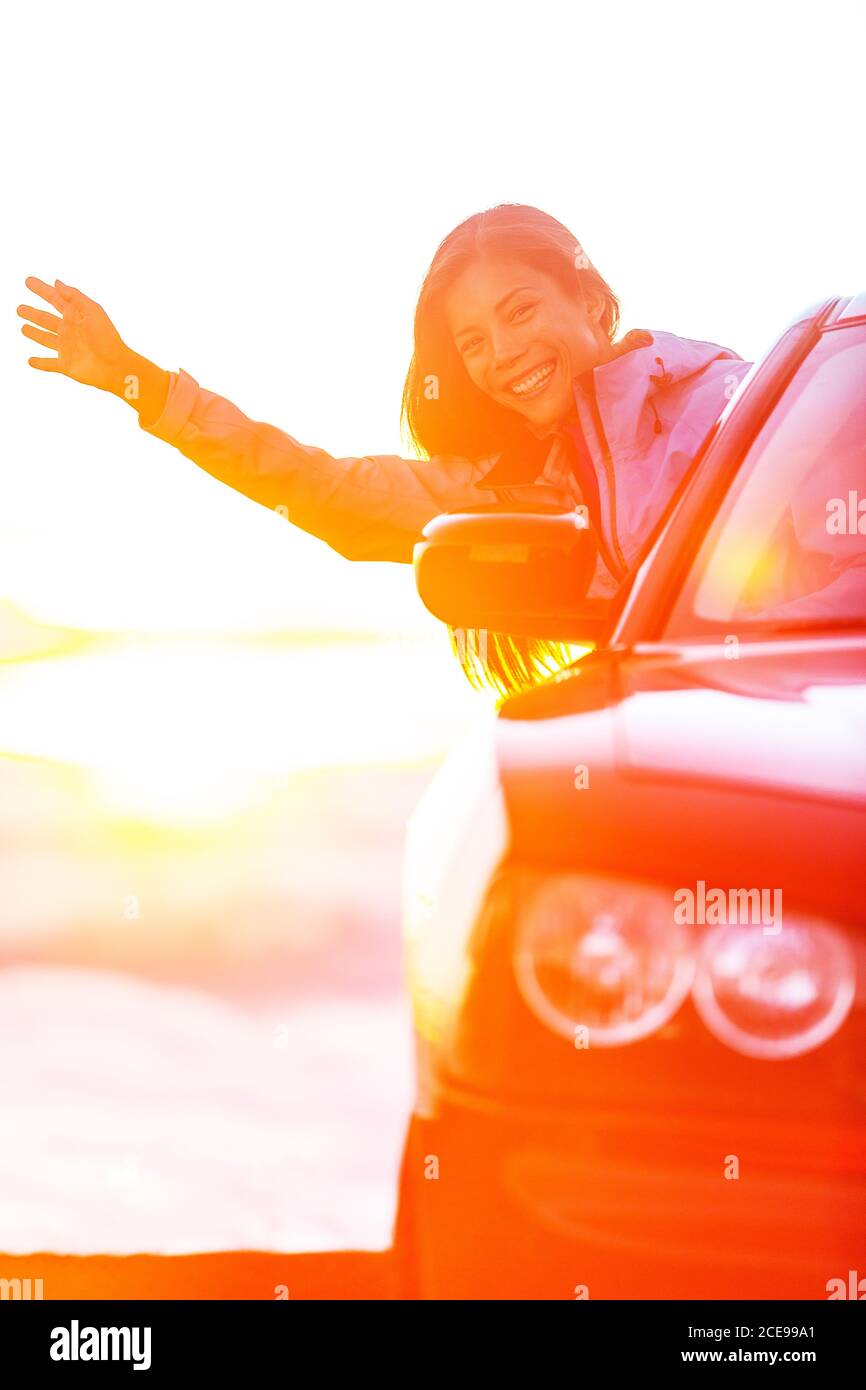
[[641, 418]]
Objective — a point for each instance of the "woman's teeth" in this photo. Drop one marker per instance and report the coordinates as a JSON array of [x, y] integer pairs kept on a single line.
[[534, 383]]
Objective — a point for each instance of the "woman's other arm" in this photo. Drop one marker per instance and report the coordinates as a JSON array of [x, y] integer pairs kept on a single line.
[[368, 508]]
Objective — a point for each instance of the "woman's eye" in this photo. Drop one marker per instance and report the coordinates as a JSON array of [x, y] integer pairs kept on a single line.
[[522, 309], [473, 343]]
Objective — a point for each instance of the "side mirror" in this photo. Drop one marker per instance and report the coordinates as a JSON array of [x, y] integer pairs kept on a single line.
[[522, 572]]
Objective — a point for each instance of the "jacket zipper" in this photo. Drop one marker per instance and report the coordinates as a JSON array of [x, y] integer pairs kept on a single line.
[[611, 483], [603, 547]]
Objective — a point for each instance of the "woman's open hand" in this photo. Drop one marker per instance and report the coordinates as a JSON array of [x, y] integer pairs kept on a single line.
[[88, 346], [90, 349]]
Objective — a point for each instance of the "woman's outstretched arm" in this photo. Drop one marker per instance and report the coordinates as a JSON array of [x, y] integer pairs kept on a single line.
[[368, 508]]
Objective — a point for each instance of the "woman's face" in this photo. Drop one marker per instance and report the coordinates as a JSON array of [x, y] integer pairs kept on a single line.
[[522, 338]]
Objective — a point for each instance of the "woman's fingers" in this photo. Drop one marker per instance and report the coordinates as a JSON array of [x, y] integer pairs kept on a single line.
[[38, 316], [49, 292], [49, 340], [75, 302], [44, 364]]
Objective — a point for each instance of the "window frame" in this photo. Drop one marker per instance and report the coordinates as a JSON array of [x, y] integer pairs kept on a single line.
[[682, 610]]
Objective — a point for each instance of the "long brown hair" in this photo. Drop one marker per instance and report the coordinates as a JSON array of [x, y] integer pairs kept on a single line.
[[457, 418]]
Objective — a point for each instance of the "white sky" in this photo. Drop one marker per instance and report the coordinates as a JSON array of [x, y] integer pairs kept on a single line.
[[254, 193]]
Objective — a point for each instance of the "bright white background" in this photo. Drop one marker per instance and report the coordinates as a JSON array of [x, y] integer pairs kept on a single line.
[[255, 191]]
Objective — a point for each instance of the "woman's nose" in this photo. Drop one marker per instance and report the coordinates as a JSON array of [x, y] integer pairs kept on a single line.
[[505, 352]]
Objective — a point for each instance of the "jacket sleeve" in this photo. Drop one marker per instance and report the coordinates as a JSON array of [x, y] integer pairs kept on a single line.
[[368, 508]]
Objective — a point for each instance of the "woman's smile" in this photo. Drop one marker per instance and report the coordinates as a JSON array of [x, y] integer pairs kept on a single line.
[[534, 382]]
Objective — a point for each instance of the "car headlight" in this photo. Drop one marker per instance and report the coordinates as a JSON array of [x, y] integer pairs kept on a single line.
[[454, 840], [602, 955], [774, 995]]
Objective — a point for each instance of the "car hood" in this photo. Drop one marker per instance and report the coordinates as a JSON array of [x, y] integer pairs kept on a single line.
[[786, 715]]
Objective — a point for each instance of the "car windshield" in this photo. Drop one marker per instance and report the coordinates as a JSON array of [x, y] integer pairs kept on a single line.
[[788, 546]]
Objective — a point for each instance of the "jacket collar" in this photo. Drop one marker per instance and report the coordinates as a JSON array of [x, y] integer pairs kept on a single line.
[[627, 385]]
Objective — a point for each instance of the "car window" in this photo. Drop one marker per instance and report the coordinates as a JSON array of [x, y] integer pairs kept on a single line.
[[788, 546]]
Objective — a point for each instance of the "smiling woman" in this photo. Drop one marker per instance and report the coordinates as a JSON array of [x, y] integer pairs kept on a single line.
[[515, 380], [510, 313]]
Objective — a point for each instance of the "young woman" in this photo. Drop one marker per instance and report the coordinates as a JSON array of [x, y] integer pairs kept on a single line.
[[516, 379]]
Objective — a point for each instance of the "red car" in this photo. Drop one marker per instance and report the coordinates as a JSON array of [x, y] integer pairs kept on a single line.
[[635, 898]]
